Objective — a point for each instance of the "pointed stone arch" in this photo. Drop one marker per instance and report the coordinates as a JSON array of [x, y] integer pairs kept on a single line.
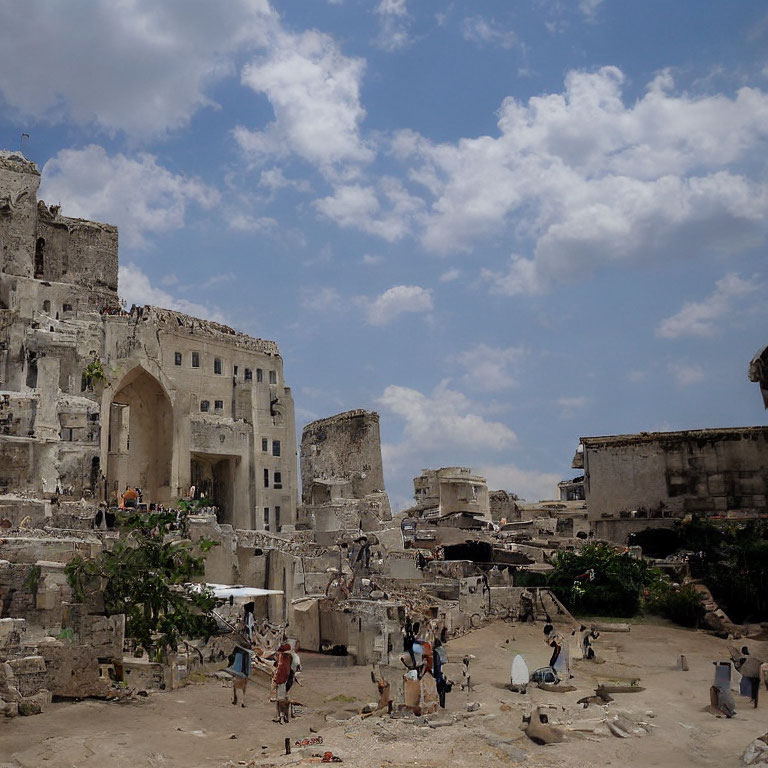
[[140, 437]]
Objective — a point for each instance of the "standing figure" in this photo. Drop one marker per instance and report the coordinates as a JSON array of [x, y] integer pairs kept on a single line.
[[248, 621], [466, 678], [282, 673], [439, 659], [749, 667]]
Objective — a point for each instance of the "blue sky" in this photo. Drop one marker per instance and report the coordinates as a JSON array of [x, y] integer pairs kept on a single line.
[[502, 225]]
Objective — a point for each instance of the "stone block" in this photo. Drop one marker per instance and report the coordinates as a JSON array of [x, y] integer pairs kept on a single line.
[[27, 666]]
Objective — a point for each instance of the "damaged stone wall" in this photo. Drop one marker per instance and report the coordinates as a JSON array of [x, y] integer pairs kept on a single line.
[[342, 476], [651, 476]]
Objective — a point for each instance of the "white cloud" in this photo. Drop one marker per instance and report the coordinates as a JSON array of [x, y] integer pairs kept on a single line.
[[138, 195], [321, 299], [137, 66], [360, 207], [371, 260], [580, 180], [398, 300], [686, 374], [569, 405], [531, 485], [477, 29], [450, 275], [395, 25], [699, 318], [134, 287], [589, 7], [487, 369], [314, 91], [445, 420], [240, 221]]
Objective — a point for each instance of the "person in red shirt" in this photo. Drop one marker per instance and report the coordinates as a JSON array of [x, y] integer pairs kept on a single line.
[[282, 672]]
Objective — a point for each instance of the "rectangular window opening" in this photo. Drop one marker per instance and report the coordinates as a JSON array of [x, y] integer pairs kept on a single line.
[[264, 444], [273, 377], [248, 374], [177, 358], [277, 480], [266, 518], [259, 374], [275, 447], [195, 359], [218, 405], [217, 365], [266, 478], [205, 406], [277, 519]]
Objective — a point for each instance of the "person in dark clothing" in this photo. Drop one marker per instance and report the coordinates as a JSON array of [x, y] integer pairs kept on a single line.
[[439, 658], [749, 667]]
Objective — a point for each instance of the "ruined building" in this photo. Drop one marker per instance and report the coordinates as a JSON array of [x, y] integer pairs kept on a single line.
[[450, 491], [94, 399], [651, 479], [342, 480]]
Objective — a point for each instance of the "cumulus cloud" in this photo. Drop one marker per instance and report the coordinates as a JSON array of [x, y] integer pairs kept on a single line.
[[395, 25], [685, 374], [388, 211], [135, 193], [579, 179], [139, 66], [396, 301], [531, 485], [589, 7], [135, 287], [442, 420], [699, 318], [314, 91], [489, 369], [477, 29]]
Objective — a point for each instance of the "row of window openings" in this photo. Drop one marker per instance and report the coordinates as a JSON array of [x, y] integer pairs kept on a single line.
[[275, 446], [218, 406], [277, 479], [178, 359], [277, 518]]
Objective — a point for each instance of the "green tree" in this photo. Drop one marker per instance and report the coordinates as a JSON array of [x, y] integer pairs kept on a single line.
[[142, 576], [598, 580]]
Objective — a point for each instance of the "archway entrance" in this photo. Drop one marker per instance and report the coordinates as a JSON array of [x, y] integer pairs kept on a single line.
[[140, 438], [213, 476]]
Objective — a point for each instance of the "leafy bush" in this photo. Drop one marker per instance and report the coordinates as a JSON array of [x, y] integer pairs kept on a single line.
[[682, 604], [598, 580]]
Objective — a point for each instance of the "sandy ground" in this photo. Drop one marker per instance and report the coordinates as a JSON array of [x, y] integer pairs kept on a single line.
[[198, 726]]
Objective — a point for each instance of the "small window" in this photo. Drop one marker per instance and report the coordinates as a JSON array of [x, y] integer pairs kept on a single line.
[[259, 374], [266, 478], [195, 359], [218, 405], [275, 447], [46, 306], [277, 519], [217, 365], [248, 374], [234, 371], [264, 444], [66, 308], [266, 518], [273, 377], [204, 406], [177, 358], [277, 480], [67, 434]]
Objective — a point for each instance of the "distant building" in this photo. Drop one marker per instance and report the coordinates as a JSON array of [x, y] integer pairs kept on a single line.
[[448, 490], [571, 490], [342, 477], [503, 506], [646, 480]]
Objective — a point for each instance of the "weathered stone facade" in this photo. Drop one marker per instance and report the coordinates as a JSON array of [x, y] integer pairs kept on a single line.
[[449, 490], [94, 399], [342, 478], [637, 481]]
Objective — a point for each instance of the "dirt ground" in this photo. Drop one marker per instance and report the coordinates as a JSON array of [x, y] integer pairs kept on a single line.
[[198, 726]]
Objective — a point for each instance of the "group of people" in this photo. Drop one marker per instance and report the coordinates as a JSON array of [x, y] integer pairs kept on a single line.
[[560, 660], [421, 657]]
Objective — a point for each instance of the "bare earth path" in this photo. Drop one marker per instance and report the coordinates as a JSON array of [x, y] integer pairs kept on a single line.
[[193, 726]]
